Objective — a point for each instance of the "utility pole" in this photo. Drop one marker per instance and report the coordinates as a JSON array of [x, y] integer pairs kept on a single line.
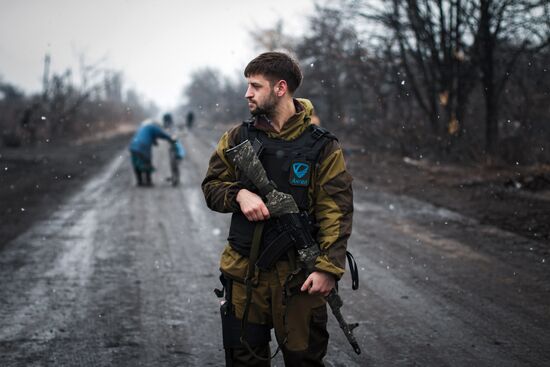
[[46, 76]]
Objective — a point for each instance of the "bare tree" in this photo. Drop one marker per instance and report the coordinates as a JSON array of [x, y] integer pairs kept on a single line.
[[334, 72], [273, 38], [504, 30], [67, 108], [215, 98], [431, 41]]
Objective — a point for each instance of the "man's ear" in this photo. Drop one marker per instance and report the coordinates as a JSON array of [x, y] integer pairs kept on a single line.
[[281, 88]]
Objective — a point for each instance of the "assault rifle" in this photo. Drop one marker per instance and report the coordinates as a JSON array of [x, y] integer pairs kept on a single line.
[[283, 207]]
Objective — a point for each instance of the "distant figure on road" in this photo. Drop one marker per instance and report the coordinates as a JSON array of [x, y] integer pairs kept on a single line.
[[167, 121], [141, 150], [176, 151], [302, 160], [190, 119]]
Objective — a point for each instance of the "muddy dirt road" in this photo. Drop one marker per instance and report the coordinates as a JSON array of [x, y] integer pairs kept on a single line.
[[121, 276]]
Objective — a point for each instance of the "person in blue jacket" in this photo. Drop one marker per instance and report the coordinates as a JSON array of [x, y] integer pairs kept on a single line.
[[141, 150]]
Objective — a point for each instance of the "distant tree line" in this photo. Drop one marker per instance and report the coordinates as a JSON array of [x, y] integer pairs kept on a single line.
[[67, 107], [452, 79]]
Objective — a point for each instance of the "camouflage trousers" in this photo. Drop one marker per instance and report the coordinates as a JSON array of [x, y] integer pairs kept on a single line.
[[299, 320]]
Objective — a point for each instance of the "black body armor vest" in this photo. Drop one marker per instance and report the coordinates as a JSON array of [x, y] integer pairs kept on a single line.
[[290, 165]]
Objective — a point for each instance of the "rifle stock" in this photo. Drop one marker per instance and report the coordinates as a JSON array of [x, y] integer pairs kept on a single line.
[[243, 157]]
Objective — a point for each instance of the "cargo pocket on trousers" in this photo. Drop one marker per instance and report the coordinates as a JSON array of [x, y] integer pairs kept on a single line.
[[318, 334]]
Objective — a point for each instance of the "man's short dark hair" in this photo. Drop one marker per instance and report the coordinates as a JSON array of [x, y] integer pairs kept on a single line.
[[276, 66]]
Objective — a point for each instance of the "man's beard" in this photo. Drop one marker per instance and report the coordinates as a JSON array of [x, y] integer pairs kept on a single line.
[[267, 108]]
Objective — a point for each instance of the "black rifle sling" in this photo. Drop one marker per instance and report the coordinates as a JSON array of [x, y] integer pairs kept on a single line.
[[250, 276], [353, 271], [254, 252]]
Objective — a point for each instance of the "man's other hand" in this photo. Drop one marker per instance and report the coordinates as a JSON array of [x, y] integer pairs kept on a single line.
[[319, 282], [252, 206]]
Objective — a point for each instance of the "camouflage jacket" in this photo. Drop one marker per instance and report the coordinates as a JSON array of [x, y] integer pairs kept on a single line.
[[330, 191]]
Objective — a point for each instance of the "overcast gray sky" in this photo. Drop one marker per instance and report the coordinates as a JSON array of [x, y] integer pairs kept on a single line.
[[155, 43]]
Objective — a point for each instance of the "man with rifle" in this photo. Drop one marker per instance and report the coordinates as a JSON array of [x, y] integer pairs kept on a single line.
[[273, 276]]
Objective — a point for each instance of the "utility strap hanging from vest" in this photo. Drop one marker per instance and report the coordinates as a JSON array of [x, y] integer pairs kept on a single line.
[[254, 253]]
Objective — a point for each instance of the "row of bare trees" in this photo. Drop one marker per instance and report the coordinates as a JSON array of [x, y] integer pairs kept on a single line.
[[213, 97], [454, 79], [455, 53], [69, 105]]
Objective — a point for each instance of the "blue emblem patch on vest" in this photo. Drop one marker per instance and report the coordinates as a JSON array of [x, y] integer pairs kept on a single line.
[[299, 173]]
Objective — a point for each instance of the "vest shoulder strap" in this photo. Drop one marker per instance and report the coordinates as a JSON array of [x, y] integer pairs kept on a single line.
[[321, 137], [319, 132]]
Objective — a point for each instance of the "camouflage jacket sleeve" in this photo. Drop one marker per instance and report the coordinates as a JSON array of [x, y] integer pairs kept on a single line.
[[220, 186], [333, 209]]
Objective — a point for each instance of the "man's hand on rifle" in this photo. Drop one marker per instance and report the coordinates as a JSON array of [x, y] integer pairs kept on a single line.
[[319, 282], [252, 206]]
